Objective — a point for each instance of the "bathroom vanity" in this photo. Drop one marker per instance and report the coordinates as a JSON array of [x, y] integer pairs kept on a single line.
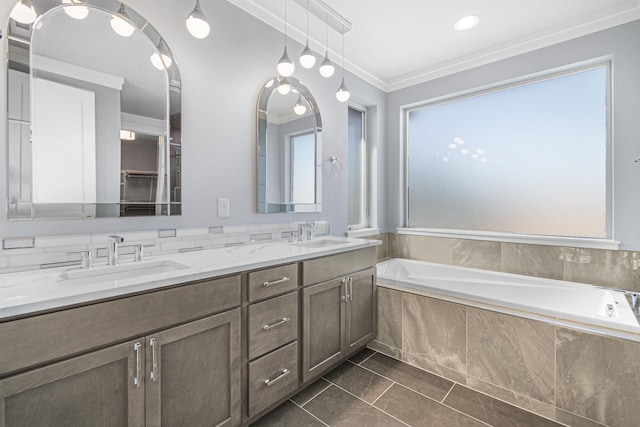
[[217, 350]]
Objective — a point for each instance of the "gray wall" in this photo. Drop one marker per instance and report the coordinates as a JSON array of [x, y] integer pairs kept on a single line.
[[221, 76], [621, 43]]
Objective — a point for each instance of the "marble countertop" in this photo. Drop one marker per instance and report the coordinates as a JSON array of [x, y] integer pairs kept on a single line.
[[37, 290]]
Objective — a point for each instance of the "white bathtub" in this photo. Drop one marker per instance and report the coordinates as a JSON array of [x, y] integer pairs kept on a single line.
[[565, 303]]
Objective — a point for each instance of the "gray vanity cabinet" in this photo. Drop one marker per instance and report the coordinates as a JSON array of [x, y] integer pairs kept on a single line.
[[361, 309], [95, 389], [193, 373]]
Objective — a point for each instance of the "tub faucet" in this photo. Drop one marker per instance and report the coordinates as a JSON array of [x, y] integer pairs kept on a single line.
[[112, 255]]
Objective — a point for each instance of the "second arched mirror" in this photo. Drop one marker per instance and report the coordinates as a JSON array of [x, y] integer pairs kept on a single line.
[[289, 148]]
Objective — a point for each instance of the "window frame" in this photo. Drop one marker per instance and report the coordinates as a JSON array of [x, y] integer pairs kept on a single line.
[[365, 219], [607, 242]]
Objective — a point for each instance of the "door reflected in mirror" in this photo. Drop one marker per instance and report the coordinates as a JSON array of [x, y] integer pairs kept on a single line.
[[94, 115], [289, 148]]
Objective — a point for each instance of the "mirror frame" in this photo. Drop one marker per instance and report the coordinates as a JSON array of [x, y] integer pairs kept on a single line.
[[21, 210], [263, 206]]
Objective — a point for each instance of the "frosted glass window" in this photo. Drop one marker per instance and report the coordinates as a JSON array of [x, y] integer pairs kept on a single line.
[[527, 159], [357, 156]]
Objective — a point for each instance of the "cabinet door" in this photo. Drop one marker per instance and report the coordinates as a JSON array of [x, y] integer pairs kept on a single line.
[[193, 373], [323, 327], [103, 388], [361, 309]]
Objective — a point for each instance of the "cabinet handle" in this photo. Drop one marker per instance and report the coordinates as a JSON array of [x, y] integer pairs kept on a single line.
[[278, 323], [343, 289], [275, 282], [350, 294], [282, 374], [154, 363], [136, 379]]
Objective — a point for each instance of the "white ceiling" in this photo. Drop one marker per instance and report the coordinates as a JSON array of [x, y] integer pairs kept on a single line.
[[398, 43]]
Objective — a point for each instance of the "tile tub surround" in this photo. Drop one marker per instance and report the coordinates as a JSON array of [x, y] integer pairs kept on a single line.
[[609, 268], [574, 377], [375, 390]]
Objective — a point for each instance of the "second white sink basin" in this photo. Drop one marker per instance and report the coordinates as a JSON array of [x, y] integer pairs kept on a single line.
[[320, 243], [80, 277]]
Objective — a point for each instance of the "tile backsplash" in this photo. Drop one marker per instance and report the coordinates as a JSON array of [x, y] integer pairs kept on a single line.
[[27, 253]]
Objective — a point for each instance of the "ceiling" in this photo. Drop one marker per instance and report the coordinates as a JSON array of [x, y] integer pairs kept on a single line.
[[399, 43]]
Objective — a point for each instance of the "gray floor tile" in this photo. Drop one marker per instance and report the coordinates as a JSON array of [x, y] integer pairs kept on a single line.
[[311, 391], [416, 379], [492, 411], [286, 415], [417, 410], [362, 355], [365, 384], [338, 408]]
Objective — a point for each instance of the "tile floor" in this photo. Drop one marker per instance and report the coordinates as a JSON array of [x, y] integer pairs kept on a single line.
[[372, 389]]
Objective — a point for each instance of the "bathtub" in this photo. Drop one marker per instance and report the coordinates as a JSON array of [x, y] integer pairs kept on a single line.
[[566, 303]]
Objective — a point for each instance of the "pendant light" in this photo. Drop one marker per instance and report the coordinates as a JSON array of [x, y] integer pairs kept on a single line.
[[307, 58], [343, 93], [285, 65], [300, 108], [120, 23], [326, 67], [23, 12], [284, 87], [197, 24], [160, 59], [76, 9]]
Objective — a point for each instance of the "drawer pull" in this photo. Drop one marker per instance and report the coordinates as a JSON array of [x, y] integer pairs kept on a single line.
[[278, 323], [283, 374], [275, 282]]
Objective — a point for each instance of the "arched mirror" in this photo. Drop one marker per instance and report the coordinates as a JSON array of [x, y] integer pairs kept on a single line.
[[289, 148], [93, 114]]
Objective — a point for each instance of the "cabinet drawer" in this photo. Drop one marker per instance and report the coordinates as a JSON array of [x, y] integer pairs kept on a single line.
[[272, 281], [272, 323], [272, 377], [334, 266], [40, 339]]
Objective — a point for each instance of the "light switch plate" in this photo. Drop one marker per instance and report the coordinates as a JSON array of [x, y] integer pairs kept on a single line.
[[224, 208]]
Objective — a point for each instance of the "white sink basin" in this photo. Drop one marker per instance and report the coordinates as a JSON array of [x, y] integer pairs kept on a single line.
[[79, 277], [320, 243]]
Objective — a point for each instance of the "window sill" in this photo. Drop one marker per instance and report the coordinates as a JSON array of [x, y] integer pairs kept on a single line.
[[574, 242], [363, 232]]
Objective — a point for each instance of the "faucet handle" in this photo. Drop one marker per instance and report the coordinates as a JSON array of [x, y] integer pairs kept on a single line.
[[139, 253], [117, 239], [85, 258]]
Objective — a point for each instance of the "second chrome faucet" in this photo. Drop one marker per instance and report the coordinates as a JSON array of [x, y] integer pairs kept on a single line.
[[112, 254]]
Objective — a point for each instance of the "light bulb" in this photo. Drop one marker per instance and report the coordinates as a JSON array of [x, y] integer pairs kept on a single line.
[[197, 24], [285, 87], [285, 65], [307, 59], [75, 9], [161, 62], [299, 108], [121, 27], [343, 93], [23, 12], [327, 68]]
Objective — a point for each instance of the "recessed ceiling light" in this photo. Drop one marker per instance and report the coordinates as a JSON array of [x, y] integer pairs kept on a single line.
[[466, 23]]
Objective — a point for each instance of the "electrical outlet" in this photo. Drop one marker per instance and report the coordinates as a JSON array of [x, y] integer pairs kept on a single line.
[[224, 208]]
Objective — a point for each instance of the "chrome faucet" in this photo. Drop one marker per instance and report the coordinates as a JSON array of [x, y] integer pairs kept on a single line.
[[301, 227], [635, 303], [112, 255]]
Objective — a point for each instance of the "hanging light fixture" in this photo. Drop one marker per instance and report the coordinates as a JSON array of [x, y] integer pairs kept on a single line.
[[300, 108], [120, 23], [284, 87], [307, 58], [343, 93], [197, 24], [160, 59], [23, 12], [326, 67], [285, 65], [76, 9]]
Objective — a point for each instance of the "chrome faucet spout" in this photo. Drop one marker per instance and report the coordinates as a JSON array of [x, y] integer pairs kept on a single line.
[[301, 227], [112, 255]]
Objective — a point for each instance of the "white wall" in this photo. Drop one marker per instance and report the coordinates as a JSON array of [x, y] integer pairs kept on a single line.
[[221, 78], [621, 43]]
